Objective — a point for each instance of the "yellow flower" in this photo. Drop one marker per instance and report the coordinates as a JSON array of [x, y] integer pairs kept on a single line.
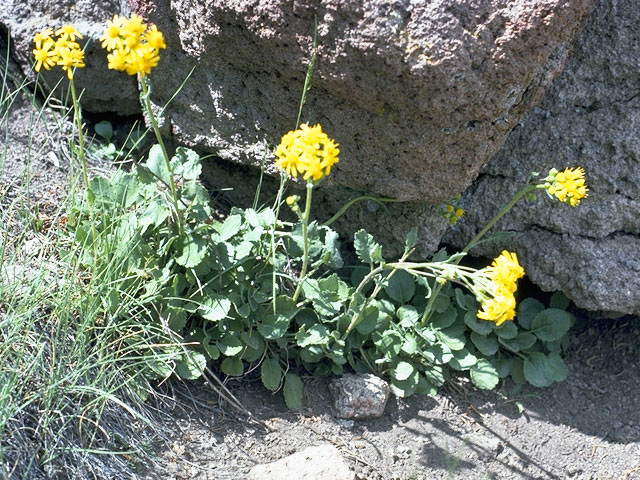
[[64, 51], [45, 56], [111, 38], [135, 48], [505, 270], [42, 36], [155, 38], [70, 58], [494, 288], [567, 186], [307, 151], [68, 32], [117, 60], [500, 307], [142, 60]]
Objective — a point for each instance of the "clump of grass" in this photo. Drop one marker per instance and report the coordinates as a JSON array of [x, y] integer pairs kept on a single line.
[[72, 395]]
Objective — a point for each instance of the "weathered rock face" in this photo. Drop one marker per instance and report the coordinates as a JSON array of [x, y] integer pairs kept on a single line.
[[420, 95], [104, 90], [590, 117]]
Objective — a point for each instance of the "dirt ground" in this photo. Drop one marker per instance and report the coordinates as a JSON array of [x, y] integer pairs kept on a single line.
[[587, 427]]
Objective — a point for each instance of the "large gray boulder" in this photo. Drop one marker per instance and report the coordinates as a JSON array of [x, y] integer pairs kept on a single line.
[[104, 90], [420, 95], [589, 117]]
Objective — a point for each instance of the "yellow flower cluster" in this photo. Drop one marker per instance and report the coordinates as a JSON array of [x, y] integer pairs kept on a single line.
[[134, 45], [307, 151], [503, 274], [64, 51], [567, 186]]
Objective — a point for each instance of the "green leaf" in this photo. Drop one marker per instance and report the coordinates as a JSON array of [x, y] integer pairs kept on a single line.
[[368, 320], [454, 343], [445, 319], [331, 245], [273, 326], [316, 335], [104, 129], [408, 316], [466, 301], [186, 163], [271, 373], [542, 370], [232, 366], [559, 300], [438, 354], [155, 214], [214, 307], [486, 345], [507, 330], [124, 190], [327, 294], [551, 324], [484, 375], [463, 359], [410, 345], [483, 327], [411, 239], [367, 249], [293, 391], [405, 388], [400, 287], [230, 345], [212, 350], [402, 371], [523, 341], [517, 371], [157, 165], [191, 365], [527, 310], [191, 250], [101, 188], [229, 228], [389, 343], [435, 375]]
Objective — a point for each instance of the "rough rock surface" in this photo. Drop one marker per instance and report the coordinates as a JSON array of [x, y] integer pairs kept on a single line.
[[420, 95], [359, 396], [104, 90], [590, 117], [315, 463]]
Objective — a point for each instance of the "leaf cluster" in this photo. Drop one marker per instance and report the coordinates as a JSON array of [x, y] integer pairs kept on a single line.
[[225, 287]]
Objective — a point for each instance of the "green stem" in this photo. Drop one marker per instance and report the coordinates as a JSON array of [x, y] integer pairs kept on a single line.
[[434, 294], [83, 161], [305, 239], [278, 202], [348, 205], [154, 124]]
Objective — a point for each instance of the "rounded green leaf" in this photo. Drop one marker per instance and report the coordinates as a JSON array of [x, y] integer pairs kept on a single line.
[[271, 374], [527, 310], [483, 327], [293, 391], [551, 324], [542, 370], [232, 366], [487, 345], [484, 375], [402, 371], [230, 345], [401, 287]]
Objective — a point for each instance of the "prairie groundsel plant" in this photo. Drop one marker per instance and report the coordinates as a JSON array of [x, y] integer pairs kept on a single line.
[[252, 291]]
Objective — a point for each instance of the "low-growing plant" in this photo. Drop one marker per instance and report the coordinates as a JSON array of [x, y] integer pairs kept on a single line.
[[254, 291]]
